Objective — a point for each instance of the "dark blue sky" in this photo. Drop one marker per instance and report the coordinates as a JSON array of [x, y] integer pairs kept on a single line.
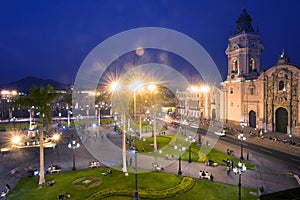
[[50, 39]]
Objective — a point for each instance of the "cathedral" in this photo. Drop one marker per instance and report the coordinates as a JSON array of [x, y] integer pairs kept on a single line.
[[252, 96]]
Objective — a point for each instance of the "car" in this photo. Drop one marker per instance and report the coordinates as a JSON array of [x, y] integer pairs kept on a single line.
[[221, 134], [194, 126], [184, 122]]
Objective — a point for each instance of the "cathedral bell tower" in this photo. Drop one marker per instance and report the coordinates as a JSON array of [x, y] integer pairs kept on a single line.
[[243, 51]]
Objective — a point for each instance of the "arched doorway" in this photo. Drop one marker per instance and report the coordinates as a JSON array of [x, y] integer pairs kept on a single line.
[[281, 116], [213, 114], [252, 119]]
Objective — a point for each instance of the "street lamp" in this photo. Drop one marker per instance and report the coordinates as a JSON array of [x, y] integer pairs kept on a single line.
[[134, 86], [190, 140], [242, 138], [30, 117], [55, 139], [73, 145], [136, 193], [239, 170], [180, 150]]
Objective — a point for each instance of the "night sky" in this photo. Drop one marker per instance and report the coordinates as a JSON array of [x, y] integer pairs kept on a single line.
[[50, 39]]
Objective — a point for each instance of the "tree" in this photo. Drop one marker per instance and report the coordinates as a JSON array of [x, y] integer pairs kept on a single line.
[[41, 99]]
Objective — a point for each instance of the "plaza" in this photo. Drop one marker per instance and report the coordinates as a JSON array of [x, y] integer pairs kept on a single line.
[[148, 132]]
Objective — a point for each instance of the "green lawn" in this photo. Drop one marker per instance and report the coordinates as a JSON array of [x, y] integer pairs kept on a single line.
[[167, 142], [82, 184]]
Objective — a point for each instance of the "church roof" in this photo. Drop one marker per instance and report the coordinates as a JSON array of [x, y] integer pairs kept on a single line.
[[244, 23], [283, 59]]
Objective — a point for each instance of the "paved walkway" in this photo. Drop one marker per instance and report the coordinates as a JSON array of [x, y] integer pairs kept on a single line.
[[273, 176], [273, 140]]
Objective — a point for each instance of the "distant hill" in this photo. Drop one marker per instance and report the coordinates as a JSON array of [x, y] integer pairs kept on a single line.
[[25, 84]]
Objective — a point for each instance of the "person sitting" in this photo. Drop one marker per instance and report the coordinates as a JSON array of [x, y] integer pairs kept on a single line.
[[162, 168]]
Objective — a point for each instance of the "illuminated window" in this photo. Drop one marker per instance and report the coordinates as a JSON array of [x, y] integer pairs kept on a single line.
[[234, 65], [252, 64]]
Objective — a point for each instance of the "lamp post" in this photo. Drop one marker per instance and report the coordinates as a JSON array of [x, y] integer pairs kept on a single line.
[[242, 138], [133, 87], [136, 193], [190, 140], [239, 170], [180, 150], [30, 117], [98, 107], [55, 139], [73, 145]]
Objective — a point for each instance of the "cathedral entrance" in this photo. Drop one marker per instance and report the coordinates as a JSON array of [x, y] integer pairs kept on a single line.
[[213, 114], [281, 116], [252, 119]]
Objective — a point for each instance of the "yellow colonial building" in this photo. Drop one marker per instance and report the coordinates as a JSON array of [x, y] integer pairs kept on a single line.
[[266, 99]]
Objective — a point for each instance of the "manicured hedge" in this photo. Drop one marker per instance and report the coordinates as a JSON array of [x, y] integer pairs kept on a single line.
[[185, 184]]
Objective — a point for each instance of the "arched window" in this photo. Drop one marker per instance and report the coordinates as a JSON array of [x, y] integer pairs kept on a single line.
[[280, 85], [252, 64], [234, 65]]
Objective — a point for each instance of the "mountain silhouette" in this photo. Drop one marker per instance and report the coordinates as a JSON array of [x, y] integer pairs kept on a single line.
[[24, 85]]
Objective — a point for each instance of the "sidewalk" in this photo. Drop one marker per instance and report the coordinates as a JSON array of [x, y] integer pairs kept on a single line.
[[272, 182], [273, 140], [272, 175]]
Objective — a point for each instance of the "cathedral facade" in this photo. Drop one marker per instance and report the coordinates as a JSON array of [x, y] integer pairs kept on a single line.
[[266, 99]]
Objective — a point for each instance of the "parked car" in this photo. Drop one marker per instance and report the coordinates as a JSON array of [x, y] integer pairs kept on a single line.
[[221, 134], [194, 125]]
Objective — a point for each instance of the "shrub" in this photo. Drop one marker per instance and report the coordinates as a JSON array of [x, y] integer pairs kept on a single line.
[[184, 185]]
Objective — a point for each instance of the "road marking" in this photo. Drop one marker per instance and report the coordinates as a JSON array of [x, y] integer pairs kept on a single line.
[[266, 150]]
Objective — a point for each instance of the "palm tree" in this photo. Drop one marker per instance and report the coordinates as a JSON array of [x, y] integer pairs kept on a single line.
[[41, 99]]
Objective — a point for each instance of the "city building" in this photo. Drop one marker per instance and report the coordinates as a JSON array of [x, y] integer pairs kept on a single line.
[[266, 99]]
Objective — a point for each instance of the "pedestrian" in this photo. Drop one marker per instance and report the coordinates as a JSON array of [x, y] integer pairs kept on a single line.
[[130, 161], [247, 155], [228, 170], [261, 190], [211, 178]]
